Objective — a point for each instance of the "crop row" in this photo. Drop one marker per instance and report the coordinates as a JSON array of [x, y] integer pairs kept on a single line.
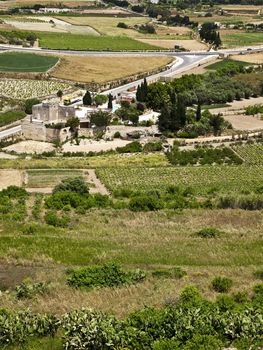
[[24, 88], [251, 154], [225, 179]]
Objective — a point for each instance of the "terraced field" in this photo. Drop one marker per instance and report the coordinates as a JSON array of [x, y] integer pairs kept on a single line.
[[202, 179], [251, 154]]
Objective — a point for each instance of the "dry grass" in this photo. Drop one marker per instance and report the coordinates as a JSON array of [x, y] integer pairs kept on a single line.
[[11, 177], [256, 58], [191, 45], [168, 239], [103, 69], [108, 25]]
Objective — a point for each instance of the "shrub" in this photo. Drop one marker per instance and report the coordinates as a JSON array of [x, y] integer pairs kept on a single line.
[[73, 184], [133, 147], [145, 203], [152, 147], [175, 272], [108, 275], [167, 344], [122, 25], [14, 192], [27, 289], [29, 104], [259, 274], [117, 135], [30, 228], [51, 218], [208, 232], [204, 342], [222, 284], [190, 295]]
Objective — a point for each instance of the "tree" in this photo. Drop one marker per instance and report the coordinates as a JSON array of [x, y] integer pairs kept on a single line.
[[74, 184], [110, 99], [100, 118], [60, 94], [217, 123], [29, 104], [139, 94], [87, 99], [181, 110], [73, 123], [100, 99], [198, 112]]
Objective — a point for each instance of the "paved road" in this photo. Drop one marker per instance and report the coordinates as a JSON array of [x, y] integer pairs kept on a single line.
[[181, 64], [10, 132], [128, 53]]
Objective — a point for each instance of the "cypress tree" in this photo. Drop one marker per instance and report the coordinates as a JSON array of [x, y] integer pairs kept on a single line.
[[87, 100], [139, 94], [198, 114], [181, 110], [110, 99]]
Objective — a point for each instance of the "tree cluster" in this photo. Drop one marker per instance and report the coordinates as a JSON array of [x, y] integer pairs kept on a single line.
[[209, 34], [142, 91]]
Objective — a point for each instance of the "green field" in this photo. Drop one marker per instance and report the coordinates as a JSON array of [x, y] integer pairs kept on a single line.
[[85, 42], [49, 177], [221, 64], [251, 154], [25, 62], [241, 39], [202, 179], [10, 117]]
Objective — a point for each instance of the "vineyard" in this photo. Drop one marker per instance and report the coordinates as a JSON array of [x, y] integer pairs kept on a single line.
[[251, 154], [23, 89], [201, 179]]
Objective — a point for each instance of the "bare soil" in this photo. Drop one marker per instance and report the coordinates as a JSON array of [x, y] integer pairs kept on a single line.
[[11, 177]]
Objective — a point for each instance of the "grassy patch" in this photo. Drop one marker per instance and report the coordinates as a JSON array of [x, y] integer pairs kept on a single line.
[[10, 117], [225, 63], [239, 39], [85, 42], [49, 177], [25, 62]]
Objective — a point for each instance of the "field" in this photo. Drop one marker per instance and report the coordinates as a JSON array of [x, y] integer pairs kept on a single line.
[[251, 154], [220, 64], [202, 179], [26, 62], [108, 25], [256, 58], [11, 3], [106, 235], [49, 178], [23, 89], [239, 38], [85, 42], [10, 117], [103, 69]]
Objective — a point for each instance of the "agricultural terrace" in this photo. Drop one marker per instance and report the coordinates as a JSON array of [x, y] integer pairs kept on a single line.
[[108, 25], [49, 178], [86, 42], [103, 69], [25, 62], [24, 88], [202, 179], [251, 154]]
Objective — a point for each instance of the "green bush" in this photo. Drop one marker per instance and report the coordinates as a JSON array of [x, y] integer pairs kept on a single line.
[[208, 232], [110, 275], [133, 147], [52, 219], [153, 147], [27, 289], [175, 272], [167, 344], [222, 284], [74, 184], [259, 274], [145, 203], [204, 342]]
